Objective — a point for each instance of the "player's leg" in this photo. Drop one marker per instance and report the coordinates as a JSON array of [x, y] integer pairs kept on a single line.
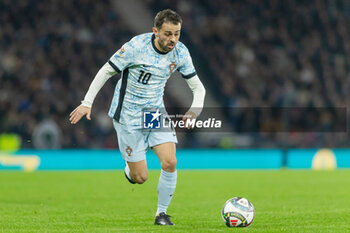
[[133, 149], [137, 171], [166, 153]]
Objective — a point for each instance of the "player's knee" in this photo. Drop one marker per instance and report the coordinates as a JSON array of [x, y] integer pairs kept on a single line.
[[169, 165], [140, 178]]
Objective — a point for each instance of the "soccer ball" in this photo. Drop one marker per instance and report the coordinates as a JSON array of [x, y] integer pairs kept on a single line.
[[238, 212]]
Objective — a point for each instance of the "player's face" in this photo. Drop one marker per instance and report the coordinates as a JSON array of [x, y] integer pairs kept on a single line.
[[167, 37]]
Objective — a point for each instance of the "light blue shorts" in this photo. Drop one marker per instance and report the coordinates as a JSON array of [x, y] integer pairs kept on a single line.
[[133, 143]]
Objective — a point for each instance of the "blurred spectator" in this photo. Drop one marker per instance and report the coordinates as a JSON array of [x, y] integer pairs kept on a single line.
[[47, 135]]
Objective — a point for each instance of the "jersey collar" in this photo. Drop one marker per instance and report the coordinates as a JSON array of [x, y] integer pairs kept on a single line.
[[154, 46]]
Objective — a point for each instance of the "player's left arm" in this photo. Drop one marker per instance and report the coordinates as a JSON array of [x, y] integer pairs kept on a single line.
[[188, 72], [198, 92]]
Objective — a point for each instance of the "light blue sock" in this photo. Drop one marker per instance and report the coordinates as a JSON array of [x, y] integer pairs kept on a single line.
[[166, 189]]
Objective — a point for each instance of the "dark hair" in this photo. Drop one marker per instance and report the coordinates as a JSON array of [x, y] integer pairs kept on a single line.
[[168, 16]]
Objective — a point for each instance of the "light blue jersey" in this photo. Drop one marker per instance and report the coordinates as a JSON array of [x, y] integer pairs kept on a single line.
[[145, 71]]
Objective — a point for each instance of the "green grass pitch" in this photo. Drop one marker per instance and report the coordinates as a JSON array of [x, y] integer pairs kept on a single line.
[[103, 201]]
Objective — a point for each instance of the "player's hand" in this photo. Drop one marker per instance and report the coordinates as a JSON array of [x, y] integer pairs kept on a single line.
[[78, 113], [189, 116]]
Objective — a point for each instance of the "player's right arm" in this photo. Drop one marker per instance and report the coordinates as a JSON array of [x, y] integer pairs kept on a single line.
[[106, 72], [118, 62]]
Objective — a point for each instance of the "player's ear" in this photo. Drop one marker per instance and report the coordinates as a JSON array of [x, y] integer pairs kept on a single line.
[[155, 31]]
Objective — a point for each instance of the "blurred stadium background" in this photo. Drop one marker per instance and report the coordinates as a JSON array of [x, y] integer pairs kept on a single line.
[[251, 53]]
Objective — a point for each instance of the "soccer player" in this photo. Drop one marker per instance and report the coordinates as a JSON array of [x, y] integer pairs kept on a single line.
[[146, 62]]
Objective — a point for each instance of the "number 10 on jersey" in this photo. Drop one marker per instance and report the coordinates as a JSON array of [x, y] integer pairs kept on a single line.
[[144, 77]]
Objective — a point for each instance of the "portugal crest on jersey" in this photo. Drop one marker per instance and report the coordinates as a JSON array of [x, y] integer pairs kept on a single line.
[[172, 67], [128, 150]]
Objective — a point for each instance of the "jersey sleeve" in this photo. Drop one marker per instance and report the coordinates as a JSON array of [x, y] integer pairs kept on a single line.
[[123, 58], [186, 68]]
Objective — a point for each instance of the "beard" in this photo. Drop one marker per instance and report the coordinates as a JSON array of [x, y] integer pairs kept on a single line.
[[164, 46]]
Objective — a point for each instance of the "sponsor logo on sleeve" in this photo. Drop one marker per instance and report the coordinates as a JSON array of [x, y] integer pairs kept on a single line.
[[120, 52]]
